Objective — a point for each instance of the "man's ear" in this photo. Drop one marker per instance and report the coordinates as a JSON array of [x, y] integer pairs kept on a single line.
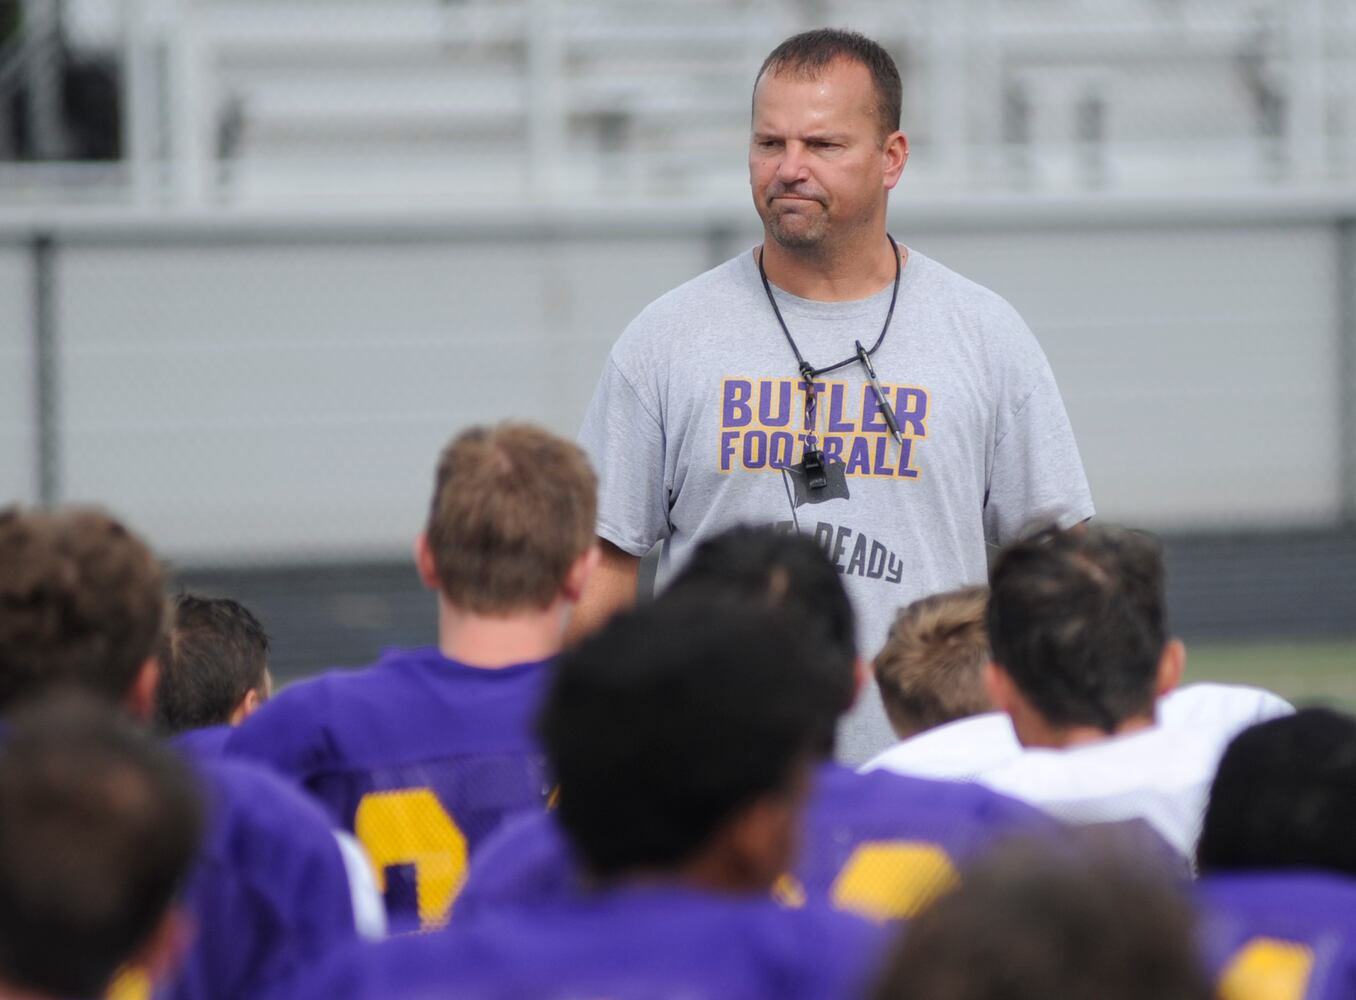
[[1171, 666], [140, 699], [162, 954], [248, 705], [896, 154], [577, 576], [999, 687], [423, 562], [860, 673], [761, 842]]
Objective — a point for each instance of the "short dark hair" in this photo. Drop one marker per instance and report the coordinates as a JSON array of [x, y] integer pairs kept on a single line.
[[1025, 925], [778, 569], [81, 603], [98, 828], [213, 654], [1076, 618], [1285, 796], [809, 53], [513, 507], [931, 669], [673, 718]]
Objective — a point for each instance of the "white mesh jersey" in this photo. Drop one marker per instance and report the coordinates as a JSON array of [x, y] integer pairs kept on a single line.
[[1160, 775]]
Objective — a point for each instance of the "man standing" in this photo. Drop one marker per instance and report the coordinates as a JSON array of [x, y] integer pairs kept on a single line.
[[831, 381]]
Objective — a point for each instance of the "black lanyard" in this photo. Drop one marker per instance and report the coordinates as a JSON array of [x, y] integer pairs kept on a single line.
[[814, 458]]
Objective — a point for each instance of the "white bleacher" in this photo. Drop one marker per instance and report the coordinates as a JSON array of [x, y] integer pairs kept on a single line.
[[558, 98]]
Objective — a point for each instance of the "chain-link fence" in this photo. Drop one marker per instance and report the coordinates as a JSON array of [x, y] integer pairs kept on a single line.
[[332, 233]]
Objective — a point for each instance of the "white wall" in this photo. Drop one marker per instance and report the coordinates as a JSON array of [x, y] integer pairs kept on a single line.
[[242, 395], [18, 462]]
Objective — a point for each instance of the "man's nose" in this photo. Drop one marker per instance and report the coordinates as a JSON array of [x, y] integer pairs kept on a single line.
[[791, 167]]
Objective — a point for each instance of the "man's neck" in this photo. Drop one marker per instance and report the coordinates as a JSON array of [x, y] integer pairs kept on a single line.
[[829, 276], [1038, 734], [488, 641]]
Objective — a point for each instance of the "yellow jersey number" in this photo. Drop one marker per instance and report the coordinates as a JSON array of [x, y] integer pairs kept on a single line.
[[883, 880], [411, 827], [1267, 969]]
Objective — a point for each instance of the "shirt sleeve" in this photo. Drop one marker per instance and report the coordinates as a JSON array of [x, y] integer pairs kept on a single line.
[[1036, 478], [624, 437]]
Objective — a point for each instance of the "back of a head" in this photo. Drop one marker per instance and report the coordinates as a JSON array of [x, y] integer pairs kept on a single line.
[[1285, 797], [513, 507], [98, 828], [81, 604], [213, 654], [671, 720], [808, 54], [931, 669], [1026, 925], [769, 568], [1076, 618]]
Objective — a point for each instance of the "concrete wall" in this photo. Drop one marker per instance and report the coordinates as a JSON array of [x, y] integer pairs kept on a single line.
[[260, 390]]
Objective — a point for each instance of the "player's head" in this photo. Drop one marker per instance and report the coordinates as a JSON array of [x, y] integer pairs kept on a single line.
[[213, 665], [1025, 925], [825, 146], [681, 736], [1285, 796], [511, 524], [931, 669], [98, 828], [81, 604], [787, 571], [1078, 632]]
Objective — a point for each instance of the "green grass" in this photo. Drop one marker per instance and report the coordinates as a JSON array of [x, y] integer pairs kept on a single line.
[[1303, 672]]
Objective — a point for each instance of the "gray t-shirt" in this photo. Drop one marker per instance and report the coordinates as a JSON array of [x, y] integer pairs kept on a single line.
[[700, 406]]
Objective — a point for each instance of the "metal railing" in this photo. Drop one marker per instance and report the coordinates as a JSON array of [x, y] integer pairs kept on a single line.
[[258, 102]]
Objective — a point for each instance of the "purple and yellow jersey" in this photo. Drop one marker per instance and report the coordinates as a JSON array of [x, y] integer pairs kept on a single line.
[[207, 743], [880, 845], [1280, 935], [419, 756], [651, 943], [883, 845], [269, 894]]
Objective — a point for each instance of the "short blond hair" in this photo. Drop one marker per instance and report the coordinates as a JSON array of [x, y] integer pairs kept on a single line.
[[930, 671], [513, 507]]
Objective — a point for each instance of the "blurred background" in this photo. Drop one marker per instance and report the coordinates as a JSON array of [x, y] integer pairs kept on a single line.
[[259, 259]]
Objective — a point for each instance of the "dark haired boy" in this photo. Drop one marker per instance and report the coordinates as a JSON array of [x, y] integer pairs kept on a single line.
[[85, 606], [681, 786], [1081, 657], [1278, 860], [99, 827], [880, 845], [213, 671]]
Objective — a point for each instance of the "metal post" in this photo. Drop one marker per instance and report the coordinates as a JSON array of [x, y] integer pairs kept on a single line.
[[545, 92], [950, 85], [1346, 367], [1305, 125], [46, 372], [138, 102], [188, 92], [43, 93]]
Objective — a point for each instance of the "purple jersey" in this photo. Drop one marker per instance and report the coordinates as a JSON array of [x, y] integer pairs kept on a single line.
[[269, 894], [1280, 935], [207, 743], [651, 943], [878, 844], [421, 757], [884, 845]]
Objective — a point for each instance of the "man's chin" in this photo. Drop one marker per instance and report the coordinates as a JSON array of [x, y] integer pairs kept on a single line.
[[795, 237]]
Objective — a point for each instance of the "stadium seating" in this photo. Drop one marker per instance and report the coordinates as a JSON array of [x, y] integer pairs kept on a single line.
[[642, 98]]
